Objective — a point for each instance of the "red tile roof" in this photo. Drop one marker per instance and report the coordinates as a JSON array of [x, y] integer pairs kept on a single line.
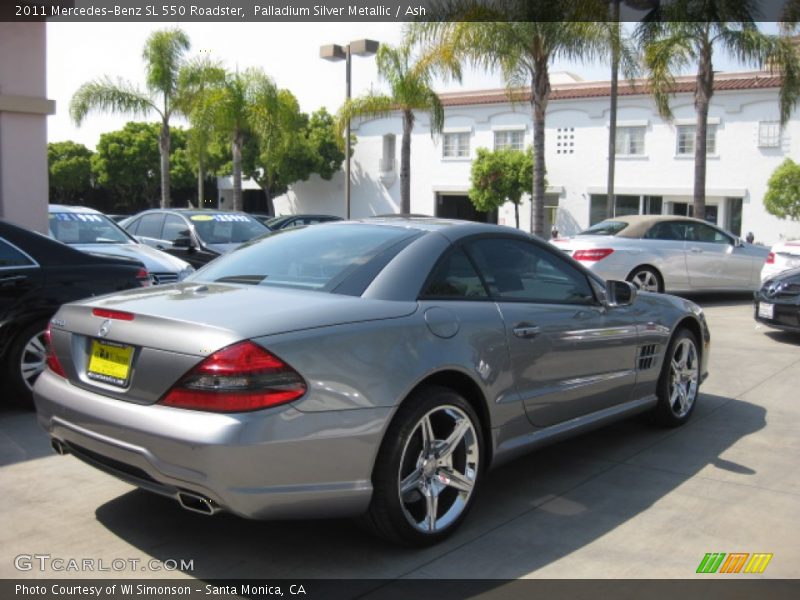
[[598, 89]]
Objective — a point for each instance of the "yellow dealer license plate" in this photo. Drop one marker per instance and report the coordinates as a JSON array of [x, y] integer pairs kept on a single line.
[[110, 362]]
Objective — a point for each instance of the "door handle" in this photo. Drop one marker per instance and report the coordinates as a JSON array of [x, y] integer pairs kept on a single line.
[[12, 279], [526, 330], [696, 250]]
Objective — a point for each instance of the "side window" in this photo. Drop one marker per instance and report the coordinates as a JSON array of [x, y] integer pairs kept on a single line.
[[174, 227], [132, 226], [519, 270], [666, 230], [454, 277], [11, 257], [701, 232], [150, 226]]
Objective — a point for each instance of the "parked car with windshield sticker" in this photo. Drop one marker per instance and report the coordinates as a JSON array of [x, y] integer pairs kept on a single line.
[[196, 236]]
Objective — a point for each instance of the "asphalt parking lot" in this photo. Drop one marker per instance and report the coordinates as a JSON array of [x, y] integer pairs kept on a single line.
[[628, 501]]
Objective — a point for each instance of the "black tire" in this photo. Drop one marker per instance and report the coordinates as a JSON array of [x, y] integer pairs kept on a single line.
[[402, 453], [19, 350], [647, 279], [672, 410]]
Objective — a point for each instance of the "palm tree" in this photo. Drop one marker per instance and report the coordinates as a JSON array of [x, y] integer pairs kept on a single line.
[[410, 83], [195, 81], [621, 55], [237, 109], [688, 31], [522, 49], [163, 56]]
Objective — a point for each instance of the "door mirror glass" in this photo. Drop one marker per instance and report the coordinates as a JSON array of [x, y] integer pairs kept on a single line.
[[620, 293]]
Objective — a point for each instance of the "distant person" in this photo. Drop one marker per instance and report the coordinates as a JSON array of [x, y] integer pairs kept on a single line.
[[750, 238], [553, 232]]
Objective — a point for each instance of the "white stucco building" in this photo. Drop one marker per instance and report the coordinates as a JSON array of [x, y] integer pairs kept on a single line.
[[655, 159]]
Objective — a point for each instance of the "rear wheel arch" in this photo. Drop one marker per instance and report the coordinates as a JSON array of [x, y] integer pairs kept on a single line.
[[465, 386]]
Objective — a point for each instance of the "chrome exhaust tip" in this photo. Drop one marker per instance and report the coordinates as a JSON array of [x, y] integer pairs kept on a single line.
[[197, 503], [58, 447]]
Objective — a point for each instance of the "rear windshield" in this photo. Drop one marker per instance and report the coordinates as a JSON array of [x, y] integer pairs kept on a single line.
[[86, 228], [605, 228], [222, 228], [317, 258]]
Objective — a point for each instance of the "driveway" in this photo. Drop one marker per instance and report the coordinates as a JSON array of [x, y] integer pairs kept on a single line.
[[628, 501]]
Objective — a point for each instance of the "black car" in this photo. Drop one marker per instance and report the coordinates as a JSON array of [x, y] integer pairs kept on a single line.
[[196, 236], [37, 275], [777, 302], [289, 221]]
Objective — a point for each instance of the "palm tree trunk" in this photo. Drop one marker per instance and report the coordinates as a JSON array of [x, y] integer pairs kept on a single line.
[[405, 163], [201, 181], [516, 213], [236, 150], [702, 98], [163, 147], [540, 94], [612, 112]]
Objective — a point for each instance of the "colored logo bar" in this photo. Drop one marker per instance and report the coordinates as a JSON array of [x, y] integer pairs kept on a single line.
[[734, 562]]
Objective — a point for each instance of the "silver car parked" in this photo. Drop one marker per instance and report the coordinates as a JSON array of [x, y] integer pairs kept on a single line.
[[89, 230], [667, 252], [374, 368]]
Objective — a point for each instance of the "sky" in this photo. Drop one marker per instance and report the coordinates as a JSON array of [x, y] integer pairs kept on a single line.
[[288, 52]]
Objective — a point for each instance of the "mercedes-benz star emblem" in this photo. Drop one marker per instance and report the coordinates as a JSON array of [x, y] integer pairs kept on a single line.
[[104, 328]]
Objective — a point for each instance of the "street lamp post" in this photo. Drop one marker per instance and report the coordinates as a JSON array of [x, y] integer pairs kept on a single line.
[[334, 52]]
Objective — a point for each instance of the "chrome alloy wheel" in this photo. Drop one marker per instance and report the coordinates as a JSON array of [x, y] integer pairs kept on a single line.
[[33, 359], [645, 280], [438, 469], [684, 377]]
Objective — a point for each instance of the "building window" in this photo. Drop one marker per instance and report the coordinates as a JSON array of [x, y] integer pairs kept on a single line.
[[388, 158], [652, 205], [456, 145], [769, 134], [623, 205], [509, 140], [630, 141], [565, 140], [686, 135]]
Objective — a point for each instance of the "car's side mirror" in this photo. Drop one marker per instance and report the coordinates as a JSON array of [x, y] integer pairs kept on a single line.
[[738, 242], [620, 293], [184, 241]]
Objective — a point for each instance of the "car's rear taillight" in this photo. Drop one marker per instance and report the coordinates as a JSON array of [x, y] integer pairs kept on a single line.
[[771, 258], [592, 254], [144, 278], [52, 360], [237, 378]]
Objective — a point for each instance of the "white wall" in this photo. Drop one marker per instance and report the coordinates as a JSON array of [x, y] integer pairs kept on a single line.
[[739, 168]]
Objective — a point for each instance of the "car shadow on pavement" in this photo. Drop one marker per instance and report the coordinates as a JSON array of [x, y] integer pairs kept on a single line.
[[710, 299], [21, 438], [531, 512], [783, 337]]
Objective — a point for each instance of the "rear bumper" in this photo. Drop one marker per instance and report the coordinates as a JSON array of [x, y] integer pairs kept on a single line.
[[271, 464]]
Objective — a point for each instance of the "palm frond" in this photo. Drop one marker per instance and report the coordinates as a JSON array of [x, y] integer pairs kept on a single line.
[[663, 58], [163, 53], [369, 105], [107, 95]]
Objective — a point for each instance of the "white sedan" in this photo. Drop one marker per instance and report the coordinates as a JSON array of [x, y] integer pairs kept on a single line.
[[782, 256], [667, 252]]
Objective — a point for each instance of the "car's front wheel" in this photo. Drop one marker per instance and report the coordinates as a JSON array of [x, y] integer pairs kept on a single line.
[[428, 469], [679, 382], [27, 359]]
